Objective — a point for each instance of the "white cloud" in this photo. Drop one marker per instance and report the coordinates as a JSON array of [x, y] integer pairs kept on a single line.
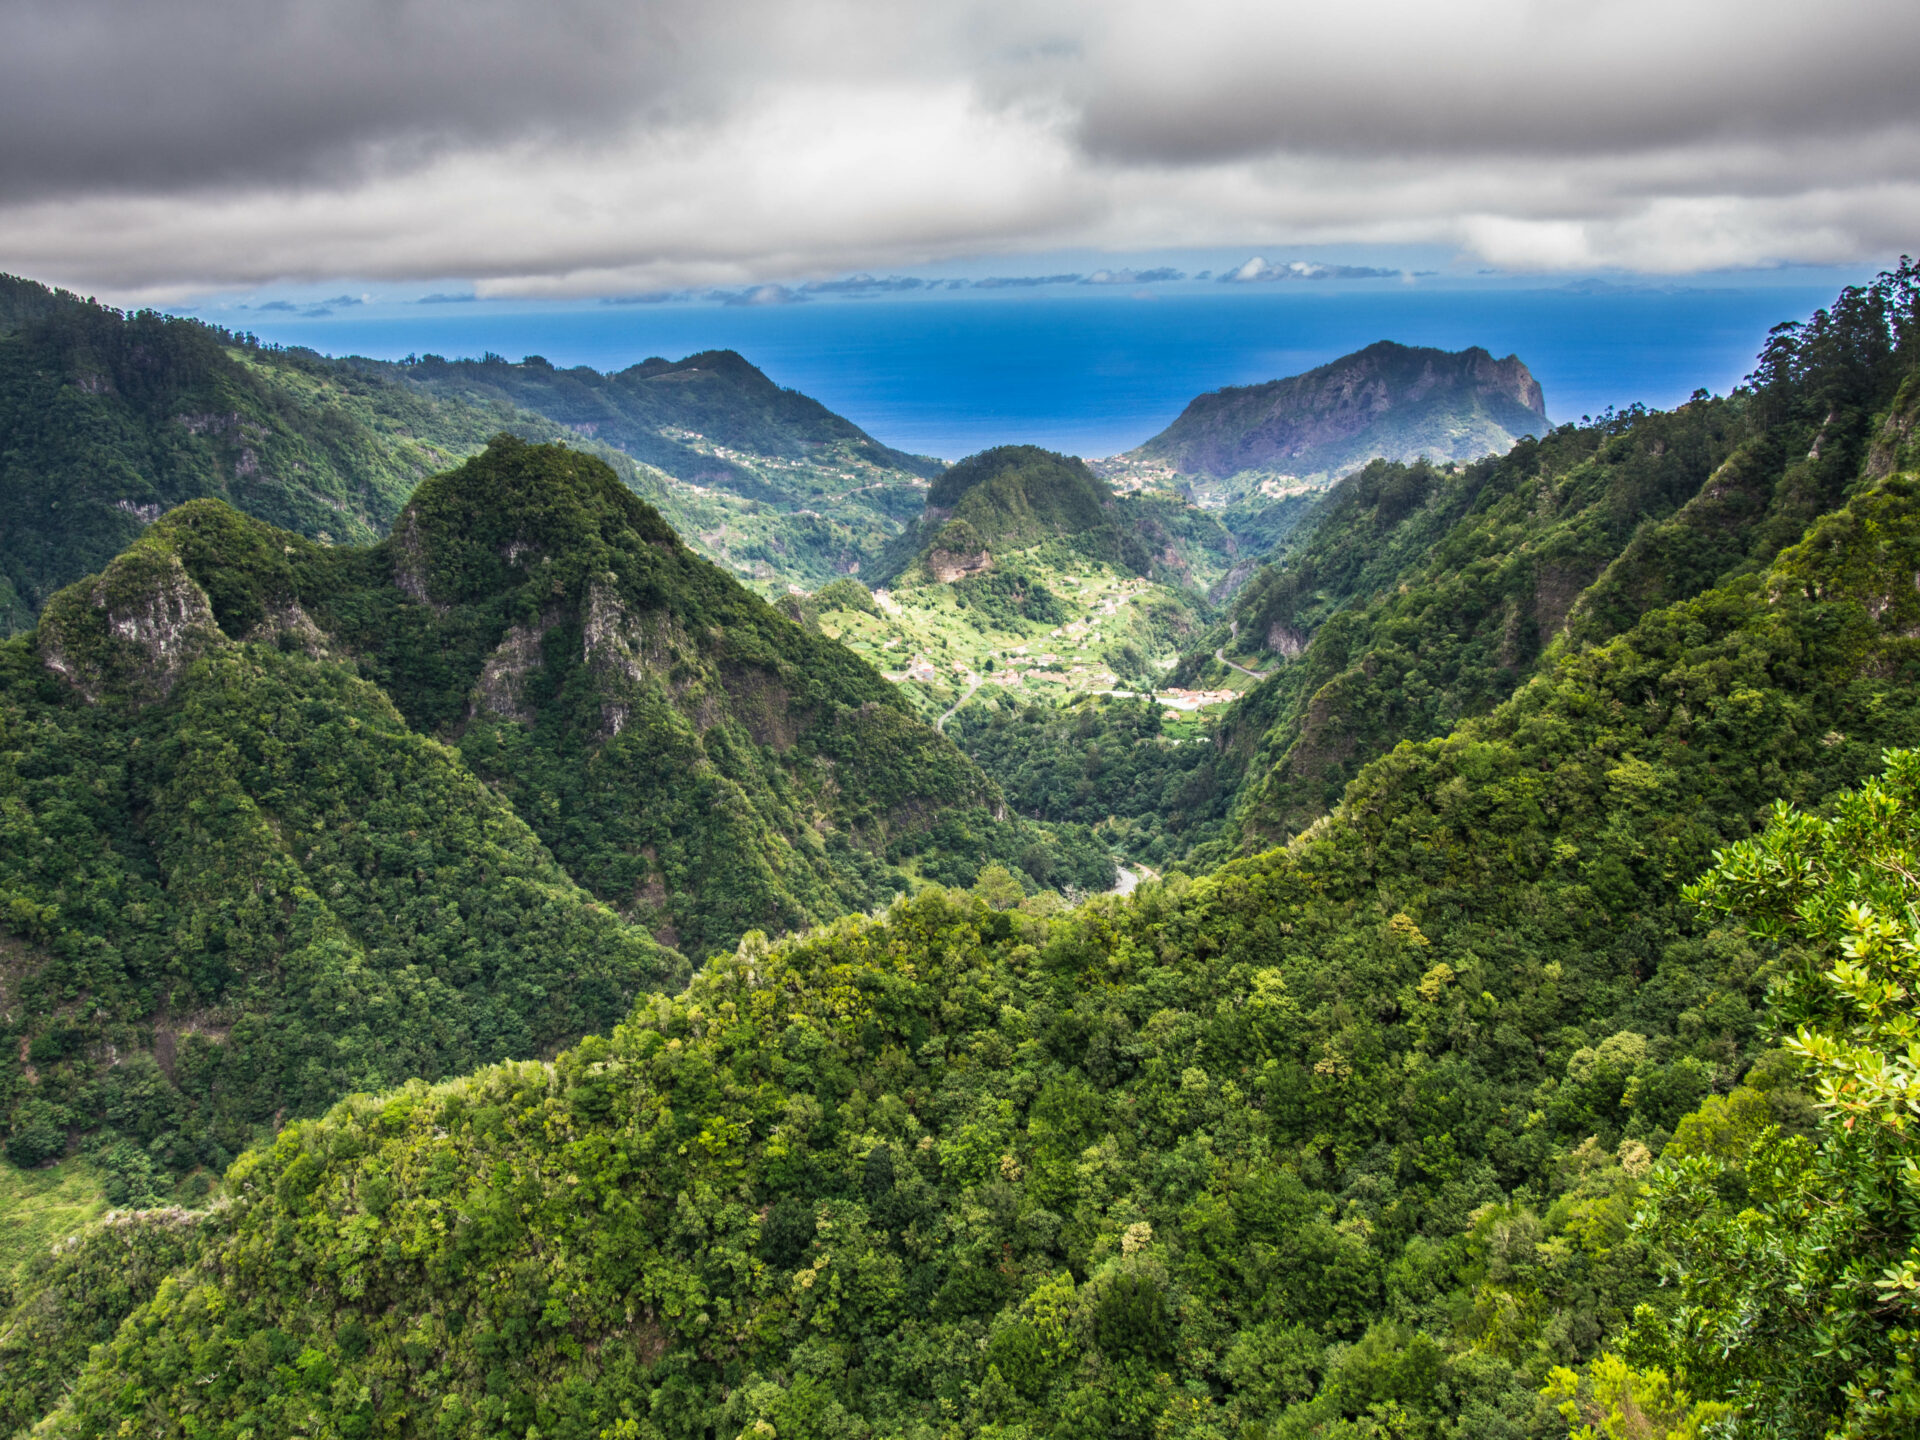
[[591, 147]]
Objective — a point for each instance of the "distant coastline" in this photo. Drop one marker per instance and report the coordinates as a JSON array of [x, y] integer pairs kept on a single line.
[[1093, 374]]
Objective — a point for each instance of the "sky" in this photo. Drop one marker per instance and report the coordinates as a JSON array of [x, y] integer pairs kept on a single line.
[[171, 151]]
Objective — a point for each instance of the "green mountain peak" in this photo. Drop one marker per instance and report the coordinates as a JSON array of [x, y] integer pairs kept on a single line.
[[1011, 498]]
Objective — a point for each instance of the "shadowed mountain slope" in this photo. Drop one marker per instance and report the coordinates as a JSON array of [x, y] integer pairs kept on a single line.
[[110, 419]]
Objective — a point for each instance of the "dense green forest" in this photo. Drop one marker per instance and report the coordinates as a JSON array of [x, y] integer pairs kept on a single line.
[[1153, 785], [283, 820], [113, 418], [1555, 1072], [986, 509], [1344, 1138]]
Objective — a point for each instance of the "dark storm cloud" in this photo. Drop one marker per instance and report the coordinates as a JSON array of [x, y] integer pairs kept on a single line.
[[158, 94]]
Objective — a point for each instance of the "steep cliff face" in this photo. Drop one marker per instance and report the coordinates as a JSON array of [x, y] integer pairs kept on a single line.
[[1387, 401]]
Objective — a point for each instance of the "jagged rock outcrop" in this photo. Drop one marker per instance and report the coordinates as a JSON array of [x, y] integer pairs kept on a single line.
[[947, 566], [131, 631]]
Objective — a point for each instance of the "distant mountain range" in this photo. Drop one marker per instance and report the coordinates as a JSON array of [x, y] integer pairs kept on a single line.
[[113, 418], [110, 419], [707, 418], [1386, 402]]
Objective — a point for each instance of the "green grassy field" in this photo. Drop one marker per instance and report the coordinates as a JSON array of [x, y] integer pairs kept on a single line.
[[42, 1205], [1121, 633]]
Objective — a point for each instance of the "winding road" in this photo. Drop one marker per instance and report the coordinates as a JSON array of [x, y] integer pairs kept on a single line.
[[1221, 656], [973, 685], [1233, 629]]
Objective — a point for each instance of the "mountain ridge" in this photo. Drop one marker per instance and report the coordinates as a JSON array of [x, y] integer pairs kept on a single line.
[[301, 819], [1387, 401], [1443, 1117]]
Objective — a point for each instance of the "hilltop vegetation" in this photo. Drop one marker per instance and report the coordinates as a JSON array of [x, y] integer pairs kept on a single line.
[[285, 820], [1002, 501], [1465, 1113]]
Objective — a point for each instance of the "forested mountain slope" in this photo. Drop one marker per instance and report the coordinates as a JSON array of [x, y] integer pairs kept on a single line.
[[111, 419], [284, 820], [244, 885], [1341, 1139], [1424, 596], [680, 416]]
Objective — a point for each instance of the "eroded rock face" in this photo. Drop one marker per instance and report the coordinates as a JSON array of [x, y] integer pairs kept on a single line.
[[291, 622], [133, 630], [410, 559], [948, 565], [500, 690], [1309, 422], [1285, 640], [1895, 447], [622, 646]]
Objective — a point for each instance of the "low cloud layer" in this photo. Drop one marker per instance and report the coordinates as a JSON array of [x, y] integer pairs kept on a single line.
[[582, 147]]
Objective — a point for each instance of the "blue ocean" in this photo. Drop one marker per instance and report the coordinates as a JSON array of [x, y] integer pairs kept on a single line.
[[1096, 373]]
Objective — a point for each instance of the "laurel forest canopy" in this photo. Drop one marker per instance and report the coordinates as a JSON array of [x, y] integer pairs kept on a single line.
[[1550, 1074]]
